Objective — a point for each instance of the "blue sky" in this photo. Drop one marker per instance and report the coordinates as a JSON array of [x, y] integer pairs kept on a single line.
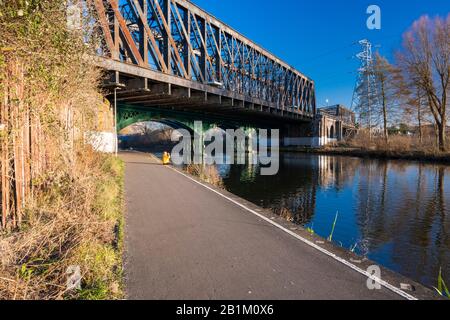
[[318, 37]]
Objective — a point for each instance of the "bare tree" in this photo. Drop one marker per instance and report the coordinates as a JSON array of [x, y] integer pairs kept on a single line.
[[142, 128], [416, 107], [389, 91], [425, 62]]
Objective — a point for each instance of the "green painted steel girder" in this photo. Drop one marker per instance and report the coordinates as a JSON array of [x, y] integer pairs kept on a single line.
[[130, 114]]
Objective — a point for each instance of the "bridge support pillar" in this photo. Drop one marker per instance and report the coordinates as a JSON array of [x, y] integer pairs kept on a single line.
[[339, 131], [199, 142], [252, 140], [105, 138]]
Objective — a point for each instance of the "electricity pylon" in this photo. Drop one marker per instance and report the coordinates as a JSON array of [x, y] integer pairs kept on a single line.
[[365, 93]]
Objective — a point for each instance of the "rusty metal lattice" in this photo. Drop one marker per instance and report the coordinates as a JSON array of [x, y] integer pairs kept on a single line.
[[177, 38]]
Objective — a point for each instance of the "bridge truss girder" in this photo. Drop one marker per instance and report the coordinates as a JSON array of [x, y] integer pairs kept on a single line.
[[177, 39]]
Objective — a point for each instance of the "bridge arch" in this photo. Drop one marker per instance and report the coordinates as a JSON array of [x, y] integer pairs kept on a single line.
[[150, 133], [331, 132], [128, 116]]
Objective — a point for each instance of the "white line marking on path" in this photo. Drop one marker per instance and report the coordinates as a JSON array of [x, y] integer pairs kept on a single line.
[[306, 241]]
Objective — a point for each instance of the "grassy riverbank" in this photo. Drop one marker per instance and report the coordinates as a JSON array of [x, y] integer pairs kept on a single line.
[[398, 147], [206, 173], [376, 154], [74, 223], [61, 217]]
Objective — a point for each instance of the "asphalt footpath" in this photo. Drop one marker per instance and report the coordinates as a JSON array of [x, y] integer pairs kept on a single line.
[[184, 241]]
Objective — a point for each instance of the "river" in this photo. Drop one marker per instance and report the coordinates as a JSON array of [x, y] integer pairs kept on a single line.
[[396, 213]]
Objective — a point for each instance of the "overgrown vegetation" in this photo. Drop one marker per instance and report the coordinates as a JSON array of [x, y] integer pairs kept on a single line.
[[61, 201], [207, 173], [297, 217], [74, 220]]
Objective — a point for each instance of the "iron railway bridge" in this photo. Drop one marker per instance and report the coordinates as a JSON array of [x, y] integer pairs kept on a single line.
[[172, 56]]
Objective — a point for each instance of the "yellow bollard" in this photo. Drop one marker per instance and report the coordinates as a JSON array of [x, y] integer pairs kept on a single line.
[[166, 158]]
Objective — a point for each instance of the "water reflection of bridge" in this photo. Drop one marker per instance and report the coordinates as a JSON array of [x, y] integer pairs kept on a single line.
[[293, 190]]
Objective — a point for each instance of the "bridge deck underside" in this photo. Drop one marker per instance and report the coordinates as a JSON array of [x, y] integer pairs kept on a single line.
[[172, 94]]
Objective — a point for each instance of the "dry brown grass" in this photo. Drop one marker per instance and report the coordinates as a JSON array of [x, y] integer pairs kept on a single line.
[[70, 221], [398, 147], [285, 213], [395, 142], [71, 212], [207, 173]]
